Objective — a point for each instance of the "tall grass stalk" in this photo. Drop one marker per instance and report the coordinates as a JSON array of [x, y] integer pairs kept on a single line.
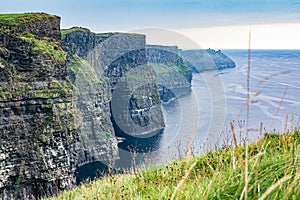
[[293, 123], [277, 184], [247, 118], [285, 124], [281, 100], [182, 182], [236, 145], [189, 153]]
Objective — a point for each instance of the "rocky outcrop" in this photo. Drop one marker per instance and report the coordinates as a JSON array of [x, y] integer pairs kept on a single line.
[[39, 121], [174, 76], [203, 60]]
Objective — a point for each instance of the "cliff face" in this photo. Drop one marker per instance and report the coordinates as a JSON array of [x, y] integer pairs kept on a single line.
[[174, 76], [97, 141], [202, 60], [97, 138], [115, 63], [135, 104], [38, 117]]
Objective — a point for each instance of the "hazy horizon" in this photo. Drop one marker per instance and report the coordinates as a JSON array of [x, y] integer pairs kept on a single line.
[[275, 24]]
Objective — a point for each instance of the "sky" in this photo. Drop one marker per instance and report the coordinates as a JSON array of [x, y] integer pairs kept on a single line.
[[210, 23]]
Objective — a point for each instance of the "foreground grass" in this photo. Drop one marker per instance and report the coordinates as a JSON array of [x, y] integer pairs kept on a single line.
[[274, 173]]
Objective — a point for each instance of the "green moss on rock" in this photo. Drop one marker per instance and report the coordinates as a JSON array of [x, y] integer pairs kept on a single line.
[[64, 32], [51, 49], [21, 90], [11, 22], [84, 71], [16, 19]]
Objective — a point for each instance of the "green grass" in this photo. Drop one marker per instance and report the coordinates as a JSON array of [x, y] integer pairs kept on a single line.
[[45, 47], [161, 68], [11, 24], [15, 20], [64, 32], [84, 71], [274, 173]]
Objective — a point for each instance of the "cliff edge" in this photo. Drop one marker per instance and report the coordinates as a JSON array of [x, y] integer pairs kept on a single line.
[[39, 121], [202, 60]]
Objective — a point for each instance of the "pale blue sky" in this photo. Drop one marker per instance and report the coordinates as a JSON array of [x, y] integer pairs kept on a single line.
[[211, 23], [124, 15]]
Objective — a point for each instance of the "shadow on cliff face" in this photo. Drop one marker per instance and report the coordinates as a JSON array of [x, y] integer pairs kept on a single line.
[[134, 151], [133, 144], [93, 170]]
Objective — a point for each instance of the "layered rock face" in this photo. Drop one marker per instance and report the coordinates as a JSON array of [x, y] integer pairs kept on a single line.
[[135, 104], [97, 138], [115, 90], [39, 121], [174, 76], [203, 60]]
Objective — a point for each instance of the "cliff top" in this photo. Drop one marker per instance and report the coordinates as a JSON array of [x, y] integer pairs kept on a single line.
[[74, 29], [40, 30], [13, 20], [19, 18], [82, 29], [41, 25]]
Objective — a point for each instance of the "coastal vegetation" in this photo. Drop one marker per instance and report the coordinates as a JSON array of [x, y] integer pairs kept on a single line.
[[48, 48], [64, 32], [21, 18], [273, 173], [20, 24]]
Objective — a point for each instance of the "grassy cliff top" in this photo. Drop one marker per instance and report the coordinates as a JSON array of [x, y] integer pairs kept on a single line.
[[49, 48], [64, 32], [39, 29], [273, 173], [21, 18], [73, 29]]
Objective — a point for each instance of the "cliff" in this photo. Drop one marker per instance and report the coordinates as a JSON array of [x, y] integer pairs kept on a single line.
[[117, 94], [174, 76], [38, 117], [97, 139], [203, 60]]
